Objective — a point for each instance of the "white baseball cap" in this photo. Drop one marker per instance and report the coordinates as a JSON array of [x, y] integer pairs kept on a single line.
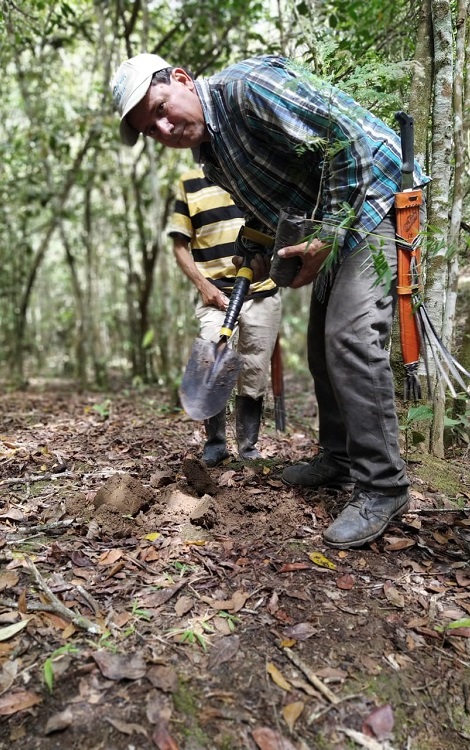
[[129, 85]]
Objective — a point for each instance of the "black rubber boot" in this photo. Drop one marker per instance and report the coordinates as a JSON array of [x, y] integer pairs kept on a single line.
[[248, 417], [215, 447]]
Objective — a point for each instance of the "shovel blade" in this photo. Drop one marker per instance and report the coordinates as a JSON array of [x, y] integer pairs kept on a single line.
[[209, 378]]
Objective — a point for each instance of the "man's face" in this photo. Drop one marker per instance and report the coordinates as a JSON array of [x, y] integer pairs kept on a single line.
[[171, 113]]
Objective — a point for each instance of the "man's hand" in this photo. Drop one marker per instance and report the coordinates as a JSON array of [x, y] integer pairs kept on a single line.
[[248, 248], [312, 254], [260, 265], [211, 296]]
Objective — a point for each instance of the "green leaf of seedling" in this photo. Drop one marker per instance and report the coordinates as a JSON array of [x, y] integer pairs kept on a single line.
[[188, 635], [103, 409], [230, 619], [142, 614], [202, 641], [48, 674], [207, 627], [464, 622], [48, 668]]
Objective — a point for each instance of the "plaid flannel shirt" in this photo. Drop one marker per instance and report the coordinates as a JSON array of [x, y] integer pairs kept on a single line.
[[280, 137]]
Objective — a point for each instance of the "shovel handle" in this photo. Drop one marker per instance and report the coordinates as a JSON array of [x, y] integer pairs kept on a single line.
[[237, 297], [407, 148]]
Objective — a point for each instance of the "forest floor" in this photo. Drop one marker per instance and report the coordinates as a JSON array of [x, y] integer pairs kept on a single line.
[[148, 603]]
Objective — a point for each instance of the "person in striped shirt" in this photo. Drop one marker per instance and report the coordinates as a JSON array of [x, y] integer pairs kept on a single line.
[[276, 136], [204, 227]]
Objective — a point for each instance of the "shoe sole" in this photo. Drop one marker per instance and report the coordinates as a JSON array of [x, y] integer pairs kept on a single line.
[[213, 464], [346, 486], [360, 543]]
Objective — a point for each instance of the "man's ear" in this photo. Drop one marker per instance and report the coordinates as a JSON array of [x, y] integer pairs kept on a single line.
[[180, 75]]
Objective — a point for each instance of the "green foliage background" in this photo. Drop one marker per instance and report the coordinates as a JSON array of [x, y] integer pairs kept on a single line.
[[88, 285]]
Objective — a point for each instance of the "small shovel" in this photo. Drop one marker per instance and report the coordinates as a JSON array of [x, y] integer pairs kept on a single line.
[[213, 368]]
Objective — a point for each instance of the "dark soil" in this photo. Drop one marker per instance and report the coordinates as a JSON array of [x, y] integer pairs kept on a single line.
[[217, 618]]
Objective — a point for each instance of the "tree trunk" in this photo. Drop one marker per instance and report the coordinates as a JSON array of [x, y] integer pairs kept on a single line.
[[80, 363], [442, 129], [421, 85], [419, 106]]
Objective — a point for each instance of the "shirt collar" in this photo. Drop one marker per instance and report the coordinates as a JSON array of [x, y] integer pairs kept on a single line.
[[204, 92]]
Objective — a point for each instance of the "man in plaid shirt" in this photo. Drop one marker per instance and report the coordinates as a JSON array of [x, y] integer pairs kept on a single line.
[[275, 136]]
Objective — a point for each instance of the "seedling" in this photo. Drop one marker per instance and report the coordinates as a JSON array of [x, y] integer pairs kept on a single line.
[[106, 642], [181, 568], [464, 622], [422, 413], [141, 614], [232, 620], [48, 668], [459, 421], [197, 631], [103, 409]]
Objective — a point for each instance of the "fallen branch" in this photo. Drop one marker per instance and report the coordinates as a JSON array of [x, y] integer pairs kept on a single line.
[[30, 606], [104, 473], [42, 527], [320, 714], [90, 600], [38, 478], [60, 608], [311, 676], [466, 508]]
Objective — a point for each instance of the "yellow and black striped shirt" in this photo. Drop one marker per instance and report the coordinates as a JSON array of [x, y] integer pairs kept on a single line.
[[207, 217]]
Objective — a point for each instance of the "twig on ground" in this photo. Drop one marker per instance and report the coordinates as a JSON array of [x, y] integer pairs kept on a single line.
[[30, 606], [36, 478], [320, 714], [46, 526], [311, 676], [104, 473], [90, 600], [13, 538], [466, 508], [60, 608]]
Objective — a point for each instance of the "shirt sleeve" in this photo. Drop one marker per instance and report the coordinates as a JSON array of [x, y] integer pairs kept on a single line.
[[297, 116], [180, 222]]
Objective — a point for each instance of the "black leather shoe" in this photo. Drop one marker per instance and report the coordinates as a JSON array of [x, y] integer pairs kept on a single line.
[[320, 472], [365, 517]]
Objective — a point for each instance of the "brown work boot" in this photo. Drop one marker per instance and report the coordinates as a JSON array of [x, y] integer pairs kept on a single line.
[[365, 518]]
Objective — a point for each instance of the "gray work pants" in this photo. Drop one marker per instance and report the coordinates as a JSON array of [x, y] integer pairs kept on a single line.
[[347, 336]]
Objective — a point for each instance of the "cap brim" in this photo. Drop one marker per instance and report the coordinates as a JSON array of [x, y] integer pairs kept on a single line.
[[129, 135]]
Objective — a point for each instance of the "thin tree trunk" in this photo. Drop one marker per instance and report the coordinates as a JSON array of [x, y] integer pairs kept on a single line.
[[421, 85], [437, 282], [419, 106], [80, 363], [59, 204]]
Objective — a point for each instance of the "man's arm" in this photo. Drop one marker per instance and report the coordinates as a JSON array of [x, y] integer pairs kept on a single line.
[[210, 295]]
